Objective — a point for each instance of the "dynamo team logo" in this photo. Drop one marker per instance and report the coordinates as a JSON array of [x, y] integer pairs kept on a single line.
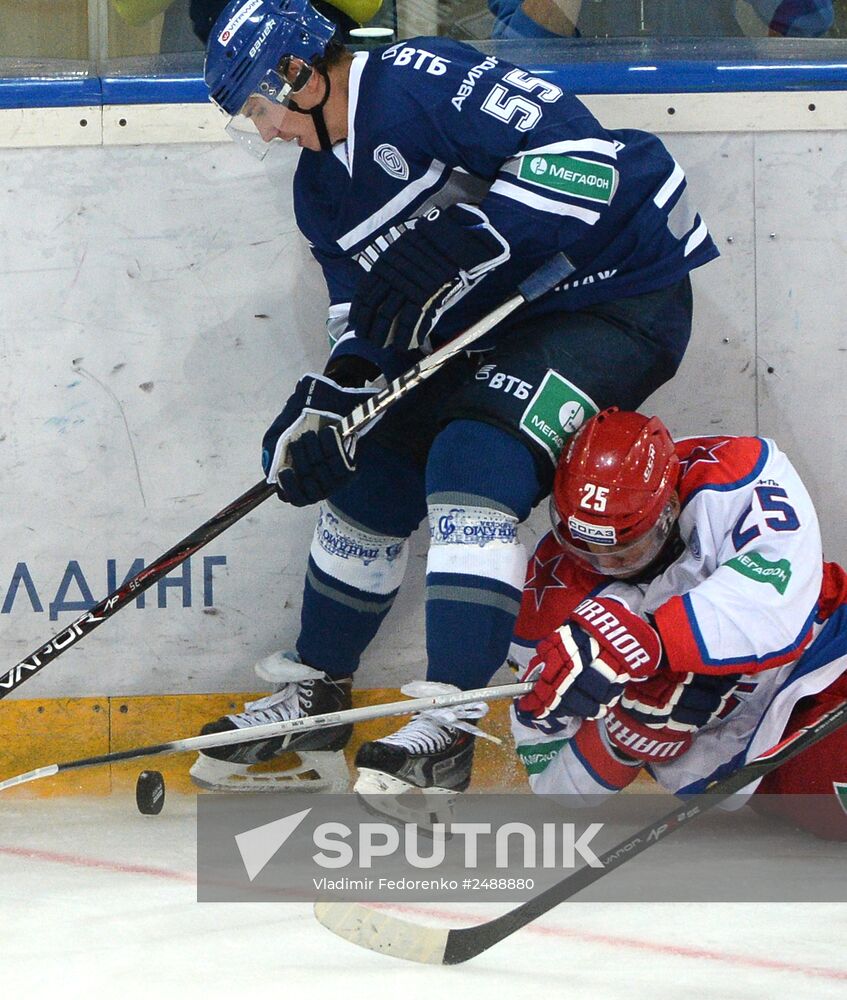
[[391, 160]]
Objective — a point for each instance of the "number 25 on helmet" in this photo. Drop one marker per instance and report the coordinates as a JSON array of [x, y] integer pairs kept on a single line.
[[614, 502]]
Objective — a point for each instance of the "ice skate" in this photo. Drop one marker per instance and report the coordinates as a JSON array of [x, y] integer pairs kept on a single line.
[[312, 760], [432, 754]]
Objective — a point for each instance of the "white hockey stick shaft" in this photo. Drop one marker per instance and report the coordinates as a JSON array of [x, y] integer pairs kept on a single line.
[[277, 729]]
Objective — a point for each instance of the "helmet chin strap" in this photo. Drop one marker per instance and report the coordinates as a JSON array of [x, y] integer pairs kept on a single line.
[[317, 111]]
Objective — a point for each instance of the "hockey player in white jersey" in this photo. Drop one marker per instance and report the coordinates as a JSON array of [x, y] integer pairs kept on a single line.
[[433, 179], [680, 618]]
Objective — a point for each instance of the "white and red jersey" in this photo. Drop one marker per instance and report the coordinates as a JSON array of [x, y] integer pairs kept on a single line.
[[746, 603]]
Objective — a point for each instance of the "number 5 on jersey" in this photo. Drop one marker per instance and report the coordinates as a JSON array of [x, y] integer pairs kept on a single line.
[[501, 104]]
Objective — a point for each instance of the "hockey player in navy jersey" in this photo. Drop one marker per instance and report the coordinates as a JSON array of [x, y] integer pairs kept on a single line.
[[432, 180], [680, 618]]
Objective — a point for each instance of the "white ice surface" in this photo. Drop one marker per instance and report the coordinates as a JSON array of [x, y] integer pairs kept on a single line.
[[99, 901]]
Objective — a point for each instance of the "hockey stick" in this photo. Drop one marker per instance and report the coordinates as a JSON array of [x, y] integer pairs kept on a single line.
[[537, 284], [379, 931], [275, 729], [541, 281]]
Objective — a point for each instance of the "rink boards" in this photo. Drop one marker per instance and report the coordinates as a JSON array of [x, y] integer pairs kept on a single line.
[[158, 306]]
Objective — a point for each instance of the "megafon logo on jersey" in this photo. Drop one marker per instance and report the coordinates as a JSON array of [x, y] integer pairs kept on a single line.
[[391, 160], [582, 531], [572, 175], [756, 567], [235, 22], [556, 411]]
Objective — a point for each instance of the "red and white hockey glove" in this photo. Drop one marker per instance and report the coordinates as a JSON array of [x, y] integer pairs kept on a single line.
[[656, 720], [582, 668], [650, 744]]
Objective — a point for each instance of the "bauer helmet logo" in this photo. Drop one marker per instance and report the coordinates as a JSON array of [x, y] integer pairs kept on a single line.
[[235, 22], [391, 160], [255, 48]]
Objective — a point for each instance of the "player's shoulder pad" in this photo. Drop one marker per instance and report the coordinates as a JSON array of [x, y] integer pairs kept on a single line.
[[554, 585], [317, 175], [721, 463]]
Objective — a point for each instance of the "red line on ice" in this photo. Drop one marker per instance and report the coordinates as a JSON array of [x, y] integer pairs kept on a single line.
[[77, 861], [615, 941]]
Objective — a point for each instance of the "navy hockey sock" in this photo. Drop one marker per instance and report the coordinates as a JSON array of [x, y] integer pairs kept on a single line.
[[481, 482], [351, 581], [357, 559]]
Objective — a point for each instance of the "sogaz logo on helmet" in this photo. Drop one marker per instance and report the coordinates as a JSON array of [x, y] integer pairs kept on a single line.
[[582, 531], [235, 22], [538, 165]]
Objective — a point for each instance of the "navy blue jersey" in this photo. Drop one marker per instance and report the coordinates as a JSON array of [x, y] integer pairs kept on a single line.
[[433, 122]]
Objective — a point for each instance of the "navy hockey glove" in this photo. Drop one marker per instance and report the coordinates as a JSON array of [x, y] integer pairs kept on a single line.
[[582, 668], [423, 272], [303, 453]]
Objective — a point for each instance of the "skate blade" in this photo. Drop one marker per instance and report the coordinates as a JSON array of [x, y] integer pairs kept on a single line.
[[389, 797], [311, 771]]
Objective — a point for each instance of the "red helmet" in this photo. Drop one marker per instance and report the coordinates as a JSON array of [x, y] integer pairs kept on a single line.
[[614, 499]]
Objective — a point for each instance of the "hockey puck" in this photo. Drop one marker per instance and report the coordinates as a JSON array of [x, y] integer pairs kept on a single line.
[[150, 793]]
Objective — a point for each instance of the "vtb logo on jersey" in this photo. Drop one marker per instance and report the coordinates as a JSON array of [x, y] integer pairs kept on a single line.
[[391, 160]]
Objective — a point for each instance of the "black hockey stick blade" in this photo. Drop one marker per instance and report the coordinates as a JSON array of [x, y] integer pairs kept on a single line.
[[379, 931]]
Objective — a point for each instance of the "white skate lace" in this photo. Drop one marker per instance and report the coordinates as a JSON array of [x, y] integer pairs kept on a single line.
[[281, 706], [429, 731]]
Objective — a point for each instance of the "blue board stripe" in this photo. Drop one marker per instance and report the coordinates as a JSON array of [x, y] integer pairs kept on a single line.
[[67, 92], [154, 90], [644, 76]]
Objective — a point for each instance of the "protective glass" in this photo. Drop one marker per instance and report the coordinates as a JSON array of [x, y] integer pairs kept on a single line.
[[274, 92], [621, 560]]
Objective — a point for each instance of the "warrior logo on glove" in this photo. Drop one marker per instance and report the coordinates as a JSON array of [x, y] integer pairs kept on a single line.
[[582, 668]]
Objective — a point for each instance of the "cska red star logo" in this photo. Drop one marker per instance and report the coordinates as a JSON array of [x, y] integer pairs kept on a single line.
[[701, 454], [544, 578]]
